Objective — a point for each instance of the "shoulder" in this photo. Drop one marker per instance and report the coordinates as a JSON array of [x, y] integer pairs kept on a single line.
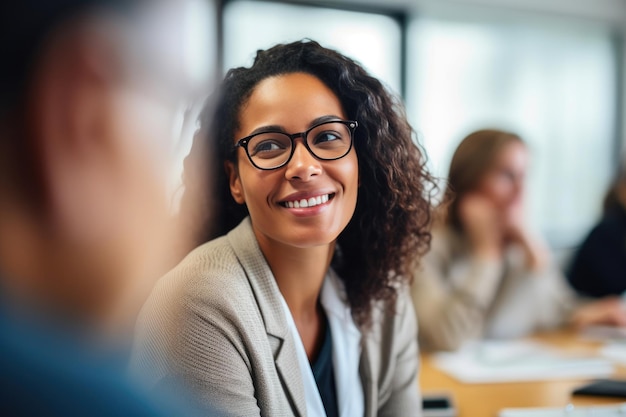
[[393, 328], [209, 272], [610, 229], [392, 351], [446, 248], [445, 240], [212, 269], [209, 285], [389, 315], [206, 303]]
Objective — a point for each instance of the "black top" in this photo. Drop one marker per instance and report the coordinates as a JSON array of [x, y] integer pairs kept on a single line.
[[324, 374], [599, 267]]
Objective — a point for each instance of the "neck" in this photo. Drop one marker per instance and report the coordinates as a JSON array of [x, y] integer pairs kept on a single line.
[[299, 273]]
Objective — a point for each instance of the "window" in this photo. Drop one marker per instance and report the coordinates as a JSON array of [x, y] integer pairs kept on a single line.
[[372, 39], [552, 80], [555, 85], [200, 65]]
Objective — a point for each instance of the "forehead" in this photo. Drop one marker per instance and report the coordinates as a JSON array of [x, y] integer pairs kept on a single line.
[[513, 153], [291, 101]]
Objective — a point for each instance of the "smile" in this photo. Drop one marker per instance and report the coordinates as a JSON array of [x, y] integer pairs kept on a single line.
[[308, 202]]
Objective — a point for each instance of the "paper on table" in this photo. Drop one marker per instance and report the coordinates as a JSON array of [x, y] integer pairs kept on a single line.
[[615, 351], [514, 361], [596, 411], [603, 333]]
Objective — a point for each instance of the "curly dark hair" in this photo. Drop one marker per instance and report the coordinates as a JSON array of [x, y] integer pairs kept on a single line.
[[390, 228]]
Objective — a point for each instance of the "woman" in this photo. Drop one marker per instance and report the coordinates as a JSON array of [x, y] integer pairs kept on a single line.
[[301, 308], [599, 267], [487, 275]]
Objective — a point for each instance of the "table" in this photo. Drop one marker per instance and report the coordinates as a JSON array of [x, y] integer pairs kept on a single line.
[[486, 400]]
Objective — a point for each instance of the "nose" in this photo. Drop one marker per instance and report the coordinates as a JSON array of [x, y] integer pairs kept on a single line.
[[303, 165]]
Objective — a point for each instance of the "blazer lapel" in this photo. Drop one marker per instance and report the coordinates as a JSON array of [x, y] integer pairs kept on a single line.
[[267, 295], [291, 378], [369, 390]]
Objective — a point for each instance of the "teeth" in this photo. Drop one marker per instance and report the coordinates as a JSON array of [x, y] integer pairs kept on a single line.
[[311, 202]]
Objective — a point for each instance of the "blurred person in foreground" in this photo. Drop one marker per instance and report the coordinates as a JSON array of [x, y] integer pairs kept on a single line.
[[599, 266], [487, 275], [90, 90]]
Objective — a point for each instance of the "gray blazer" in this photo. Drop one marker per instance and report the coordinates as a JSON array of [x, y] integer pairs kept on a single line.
[[216, 321]]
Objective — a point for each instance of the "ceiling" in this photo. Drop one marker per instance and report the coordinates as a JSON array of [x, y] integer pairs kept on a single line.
[[613, 11]]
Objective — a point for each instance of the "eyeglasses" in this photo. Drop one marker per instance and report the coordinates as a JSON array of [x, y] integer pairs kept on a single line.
[[326, 141]]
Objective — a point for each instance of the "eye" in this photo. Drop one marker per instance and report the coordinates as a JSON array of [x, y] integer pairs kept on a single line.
[[267, 147], [330, 136], [506, 175], [327, 137]]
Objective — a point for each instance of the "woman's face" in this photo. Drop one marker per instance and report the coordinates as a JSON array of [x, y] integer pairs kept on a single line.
[[292, 103], [503, 184]]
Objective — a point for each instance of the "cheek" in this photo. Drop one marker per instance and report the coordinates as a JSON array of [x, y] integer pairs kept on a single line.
[[348, 174], [490, 188], [256, 186]]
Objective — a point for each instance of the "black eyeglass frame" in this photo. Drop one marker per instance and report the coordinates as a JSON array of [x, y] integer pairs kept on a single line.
[[351, 124]]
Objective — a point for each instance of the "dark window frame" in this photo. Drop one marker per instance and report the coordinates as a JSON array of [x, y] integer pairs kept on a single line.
[[399, 15]]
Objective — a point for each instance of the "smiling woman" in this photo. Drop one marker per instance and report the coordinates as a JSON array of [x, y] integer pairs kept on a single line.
[[302, 308]]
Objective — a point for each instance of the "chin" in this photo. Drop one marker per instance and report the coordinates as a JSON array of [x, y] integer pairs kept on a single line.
[[310, 239], [310, 242]]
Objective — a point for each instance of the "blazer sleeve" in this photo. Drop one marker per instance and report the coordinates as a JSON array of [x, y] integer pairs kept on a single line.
[[188, 336], [211, 360], [450, 311], [404, 397]]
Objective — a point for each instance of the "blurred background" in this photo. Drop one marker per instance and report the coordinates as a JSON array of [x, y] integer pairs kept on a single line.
[[551, 71]]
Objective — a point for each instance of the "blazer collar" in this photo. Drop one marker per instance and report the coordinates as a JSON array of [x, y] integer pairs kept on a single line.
[[268, 297]]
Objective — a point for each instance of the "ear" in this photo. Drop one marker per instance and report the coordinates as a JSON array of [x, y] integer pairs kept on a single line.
[[236, 189]]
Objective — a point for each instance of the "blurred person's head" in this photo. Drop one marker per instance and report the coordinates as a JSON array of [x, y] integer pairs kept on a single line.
[[375, 191], [90, 93], [489, 163]]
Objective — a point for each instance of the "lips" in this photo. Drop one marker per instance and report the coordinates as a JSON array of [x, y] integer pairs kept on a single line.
[[307, 202]]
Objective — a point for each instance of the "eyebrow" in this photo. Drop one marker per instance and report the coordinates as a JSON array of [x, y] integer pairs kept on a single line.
[[278, 128]]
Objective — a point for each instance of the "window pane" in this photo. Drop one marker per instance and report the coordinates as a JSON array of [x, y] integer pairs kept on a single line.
[[373, 40], [554, 85], [200, 35]]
